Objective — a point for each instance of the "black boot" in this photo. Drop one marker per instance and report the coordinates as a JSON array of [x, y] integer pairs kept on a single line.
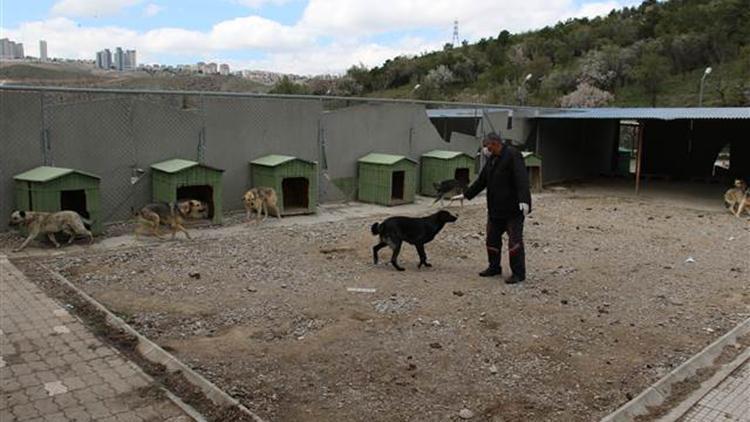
[[491, 272], [514, 279], [493, 256]]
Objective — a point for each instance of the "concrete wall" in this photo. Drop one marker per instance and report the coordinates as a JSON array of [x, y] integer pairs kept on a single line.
[[350, 133], [114, 136], [20, 143], [518, 133]]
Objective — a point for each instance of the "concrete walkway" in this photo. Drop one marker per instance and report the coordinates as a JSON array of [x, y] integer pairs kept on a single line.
[[728, 401], [52, 368]]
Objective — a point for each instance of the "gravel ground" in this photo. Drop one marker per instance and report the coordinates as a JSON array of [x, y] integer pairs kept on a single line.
[[611, 304]]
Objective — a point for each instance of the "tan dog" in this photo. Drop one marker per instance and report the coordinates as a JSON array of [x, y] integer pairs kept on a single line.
[[170, 214], [196, 209], [261, 200], [49, 223], [738, 197]]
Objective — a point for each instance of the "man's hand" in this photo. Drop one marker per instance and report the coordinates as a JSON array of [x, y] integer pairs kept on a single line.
[[524, 207], [457, 197]]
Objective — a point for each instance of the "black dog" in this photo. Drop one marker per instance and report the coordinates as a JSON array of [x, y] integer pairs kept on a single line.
[[416, 231]]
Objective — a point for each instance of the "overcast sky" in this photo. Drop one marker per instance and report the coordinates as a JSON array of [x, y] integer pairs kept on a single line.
[[294, 36]]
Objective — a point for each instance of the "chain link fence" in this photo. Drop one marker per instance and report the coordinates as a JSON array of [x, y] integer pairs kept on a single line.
[[117, 135]]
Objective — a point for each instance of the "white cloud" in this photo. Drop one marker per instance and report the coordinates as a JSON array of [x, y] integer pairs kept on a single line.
[[482, 18], [337, 57], [91, 8], [257, 4], [152, 9], [67, 39]]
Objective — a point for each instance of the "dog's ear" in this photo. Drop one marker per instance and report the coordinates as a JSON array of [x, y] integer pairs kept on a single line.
[[23, 214]]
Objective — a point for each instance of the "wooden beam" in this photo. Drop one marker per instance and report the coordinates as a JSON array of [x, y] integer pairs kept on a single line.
[[639, 157]]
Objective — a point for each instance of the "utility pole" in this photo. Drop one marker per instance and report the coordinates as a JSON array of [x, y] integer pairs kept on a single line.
[[703, 79], [455, 41]]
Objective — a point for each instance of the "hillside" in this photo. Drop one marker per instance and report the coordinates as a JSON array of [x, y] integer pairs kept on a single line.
[[653, 54], [78, 75]]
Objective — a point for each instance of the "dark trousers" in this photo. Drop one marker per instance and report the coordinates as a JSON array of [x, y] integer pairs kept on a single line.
[[516, 254]]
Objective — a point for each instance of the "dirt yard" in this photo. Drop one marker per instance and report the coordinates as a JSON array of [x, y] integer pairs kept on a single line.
[[610, 305]]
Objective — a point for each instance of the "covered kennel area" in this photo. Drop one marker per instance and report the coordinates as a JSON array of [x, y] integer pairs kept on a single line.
[[52, 189], [439, 165], [386, 179], [295, 181], [687, 145], [177, 179]]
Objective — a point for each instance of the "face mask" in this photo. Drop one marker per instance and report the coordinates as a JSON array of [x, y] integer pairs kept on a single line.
[[486, 152]]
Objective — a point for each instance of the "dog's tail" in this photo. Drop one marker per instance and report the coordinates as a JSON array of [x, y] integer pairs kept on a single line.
[[375, 229], [87, 223]]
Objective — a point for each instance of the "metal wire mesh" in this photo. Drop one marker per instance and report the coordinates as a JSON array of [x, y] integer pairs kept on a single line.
[[119, 135]]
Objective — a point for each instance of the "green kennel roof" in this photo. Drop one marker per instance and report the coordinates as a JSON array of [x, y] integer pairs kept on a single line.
[[384, 159], [444, 155], [176, 165], [274, 160], [45, 174]]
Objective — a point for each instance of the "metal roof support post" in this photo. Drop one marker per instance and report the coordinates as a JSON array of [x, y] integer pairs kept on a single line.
[[639, 158]]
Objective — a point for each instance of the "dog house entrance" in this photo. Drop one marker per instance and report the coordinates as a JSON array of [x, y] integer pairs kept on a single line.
[[295, 192], [397, 185], [203, 193], [462, 175], [74, 200]]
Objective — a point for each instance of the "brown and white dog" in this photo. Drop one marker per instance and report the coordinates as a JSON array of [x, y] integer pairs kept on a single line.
[[196, 209], [162, 213], [737, 198], [49, 223], [261, 199]]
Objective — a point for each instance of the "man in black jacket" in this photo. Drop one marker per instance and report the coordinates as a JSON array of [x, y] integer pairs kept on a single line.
[[508, 202]]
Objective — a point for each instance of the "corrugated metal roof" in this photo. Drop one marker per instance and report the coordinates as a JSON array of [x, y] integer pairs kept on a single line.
[[658, 113], [461, 112], [45, 174], [274, 160], [178, 164], [385, 159], [444, 155]]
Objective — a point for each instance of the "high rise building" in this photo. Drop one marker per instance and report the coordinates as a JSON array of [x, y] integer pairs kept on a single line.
[[224, 69], [43, 50], [104, 59], [130, 60], [6, 49], [11, 50], [19, 54], [119, 59]]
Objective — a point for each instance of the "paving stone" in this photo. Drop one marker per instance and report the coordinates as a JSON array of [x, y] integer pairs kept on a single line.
[[59, 370], [728, 401]]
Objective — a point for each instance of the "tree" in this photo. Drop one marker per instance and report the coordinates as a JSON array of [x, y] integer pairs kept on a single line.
[[651, 72], [286, 86], [586, 96]]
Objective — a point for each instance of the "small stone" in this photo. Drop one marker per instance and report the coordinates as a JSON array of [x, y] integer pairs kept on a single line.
[[458, 293], [465, 414], [564, 301], [436, 345], [283, 286], [493, 369], [195, 275], [252, 289]]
